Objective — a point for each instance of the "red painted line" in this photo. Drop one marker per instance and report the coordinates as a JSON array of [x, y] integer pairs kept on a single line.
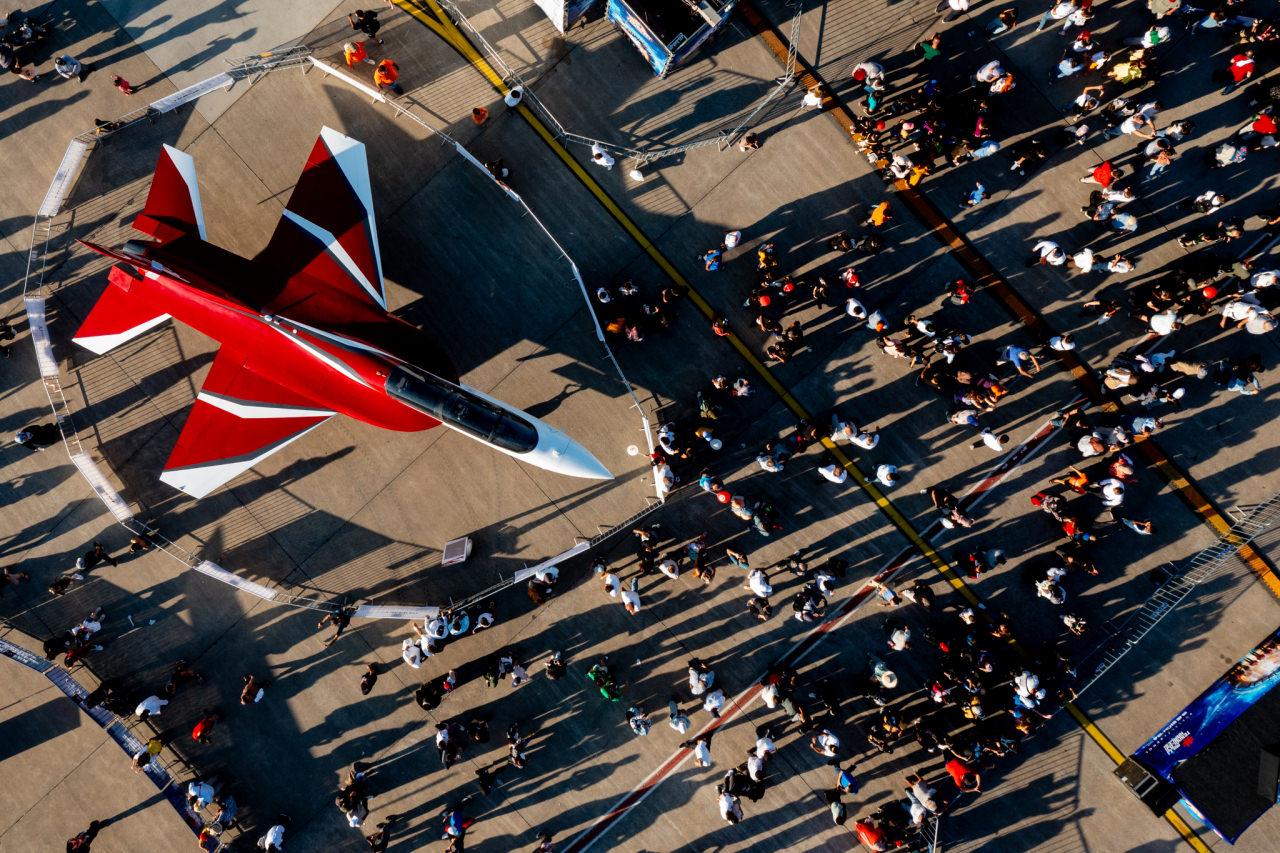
[[803, 646]]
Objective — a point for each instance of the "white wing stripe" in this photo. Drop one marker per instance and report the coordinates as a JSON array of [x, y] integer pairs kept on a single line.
[[319, 353], [335, 248], [199, 480], [101, 344], [351, 159], [250, 410]]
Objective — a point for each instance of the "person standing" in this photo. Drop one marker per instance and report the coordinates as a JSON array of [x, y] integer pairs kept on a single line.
[[386, 74], [339, 619], [353, 53], [81, 842], [365, 22], [730, 806], [368, 679], [1241, 69], [98, 554], [70, 68], [601, 157], [274, 839]]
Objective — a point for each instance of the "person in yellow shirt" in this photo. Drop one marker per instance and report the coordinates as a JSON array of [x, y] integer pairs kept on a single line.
[[879, 215]]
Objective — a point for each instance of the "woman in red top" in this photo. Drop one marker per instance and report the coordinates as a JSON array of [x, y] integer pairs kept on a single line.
[[965, 777], [202, 730]]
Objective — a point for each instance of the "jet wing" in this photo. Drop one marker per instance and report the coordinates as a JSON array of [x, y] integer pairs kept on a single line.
[[239, 419], [327, 236]]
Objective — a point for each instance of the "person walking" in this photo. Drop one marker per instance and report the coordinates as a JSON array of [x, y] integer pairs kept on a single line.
[[70, 68], [366, 22], [83, 841], [602, 158], [1241, 69], [386, 74], [353, 53], [339, 619]]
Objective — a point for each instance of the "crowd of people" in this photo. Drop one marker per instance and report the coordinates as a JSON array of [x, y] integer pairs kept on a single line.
[[985, 698]]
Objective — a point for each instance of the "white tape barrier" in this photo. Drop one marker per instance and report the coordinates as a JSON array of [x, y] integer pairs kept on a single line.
[[529, 571], [213, 570], [61, 184], [190, 93], [391, 611], [371, 91], [39, 327], [98, 482]]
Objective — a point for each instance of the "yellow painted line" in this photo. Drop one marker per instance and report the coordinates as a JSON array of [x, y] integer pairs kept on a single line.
[[461, 44]]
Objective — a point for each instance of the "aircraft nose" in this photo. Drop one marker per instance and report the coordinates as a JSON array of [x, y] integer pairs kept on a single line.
[[558, 452], [572, 459]]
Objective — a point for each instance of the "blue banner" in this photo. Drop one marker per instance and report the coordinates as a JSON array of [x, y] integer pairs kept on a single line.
[[1196, 726], [640, 34]]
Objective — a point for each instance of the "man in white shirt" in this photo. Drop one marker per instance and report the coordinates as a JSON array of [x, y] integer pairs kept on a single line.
[[995, 443], [834, 473], [601, 157], [1134, 125], [887, 475], [1056, 12], [1047, 252], [1239, 311], [700, 677], [199, 794], [631, 597], [1264, 279], [411, 652], [825, 743], [676, 718], [273, 840], [730, 808], [1112, 492], [150, 707], [1165, 323], [1062, 343], [758, 583], [1083, 260], [765, 746], [702, 752], [867, 439], [990, 72]]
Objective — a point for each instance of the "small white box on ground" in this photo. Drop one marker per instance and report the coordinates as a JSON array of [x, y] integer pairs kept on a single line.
[[456, 551]]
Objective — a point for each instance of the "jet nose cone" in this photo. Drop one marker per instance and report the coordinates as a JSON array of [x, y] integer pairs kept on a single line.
[[560, 453], [576, 461]]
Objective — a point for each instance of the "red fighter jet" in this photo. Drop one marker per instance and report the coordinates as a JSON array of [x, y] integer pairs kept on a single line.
[[304, 328]]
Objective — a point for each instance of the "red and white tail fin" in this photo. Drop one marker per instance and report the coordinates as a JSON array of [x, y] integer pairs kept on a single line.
[[173, 205], [327, 236], [120, 315]]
